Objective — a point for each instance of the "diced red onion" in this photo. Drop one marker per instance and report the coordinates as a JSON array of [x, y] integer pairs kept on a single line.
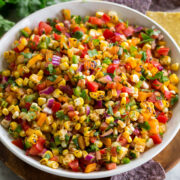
[[107, 133], [80, 67], [8, 117], [99, 104], [118, 92], [160, 68], [67, 90], [87, 110], [67, 24], [116, 61], [138, 29], [105, 79], [50, 102], [136, 132], [47, 91], [47, 110], [89, 157], [67, 35], [56, 60], [4, 79], [70, 108]]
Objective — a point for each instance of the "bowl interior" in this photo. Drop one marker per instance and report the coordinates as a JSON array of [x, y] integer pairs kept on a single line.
[[89, 8]]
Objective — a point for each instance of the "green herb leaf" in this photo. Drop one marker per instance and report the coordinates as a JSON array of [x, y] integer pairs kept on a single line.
[[78, 34], [96, 42], [146, 38], [174, 100], [107, 61], [75, 140], [145, 125], [78, 19], [92, 53], [159, 76], [50, 68], [60, 114], [144, 56], [110, 111]]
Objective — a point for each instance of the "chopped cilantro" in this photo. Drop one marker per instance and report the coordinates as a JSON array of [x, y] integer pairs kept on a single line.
[[75, 140], [57, 140], [144, 56], [50, 68], [78, 34], [60, 115], [107, 61], [145, 125], [52, 78], [78, 19], [174, 100], [110, 111], [67, 138], [95, 42], [146, 38], [159, 76]]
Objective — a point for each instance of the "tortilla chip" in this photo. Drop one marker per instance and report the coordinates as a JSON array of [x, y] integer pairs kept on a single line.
[[170, 21]]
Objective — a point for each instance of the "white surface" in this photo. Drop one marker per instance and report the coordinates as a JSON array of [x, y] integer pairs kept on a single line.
[[84, 8]]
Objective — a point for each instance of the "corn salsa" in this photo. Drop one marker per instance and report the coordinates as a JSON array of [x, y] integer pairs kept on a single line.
[[87, 93]]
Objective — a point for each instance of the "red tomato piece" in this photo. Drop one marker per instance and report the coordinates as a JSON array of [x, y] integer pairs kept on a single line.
[[111, 166], [123, 141], [38, 147], [77, 28], [111, 68], [74, 165], [96, 21], [106, 18], [55, 158], [25, 125], [120, 27], [167, 94], [126, 89], [158, 65], [156, 84], [163, 51], [103, 151], [129, 31], [41, 86], [92, 86], [156, 138], [33, 44], [128, 66], [18, 142], [113, 151], [44, 28], [148, 55], [162, 117], [108, 34], [57, 37], [27, 105], [92, 139], [56, 106]]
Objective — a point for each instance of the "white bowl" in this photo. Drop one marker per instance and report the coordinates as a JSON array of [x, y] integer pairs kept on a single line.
[[89, 8]]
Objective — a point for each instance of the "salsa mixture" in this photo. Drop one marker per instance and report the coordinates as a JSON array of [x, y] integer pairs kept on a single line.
[[87, 92]]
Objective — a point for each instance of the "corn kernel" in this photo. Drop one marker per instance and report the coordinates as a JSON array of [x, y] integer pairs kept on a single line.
[[5, 111], [175, 67], [114, 159], [22, 133], [78, 126], [13, 125], [109, 120], [19, 81], [65, 152], [173, 79], [41, 101], [134, 115], [123, 101], [48, 155], [98, 143], [64, 66], [79, 101], [82, 118], [52, 164], [78, 153], [25, 81], [6, 73], [57, 93], [67, 125]]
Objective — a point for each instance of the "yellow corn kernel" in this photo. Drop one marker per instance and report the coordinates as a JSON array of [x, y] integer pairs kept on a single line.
[[64, 66], [173, 79], [173, 87], [46, 128], [175, 67], [65, 152], [19, 81], [125, 45], [134, 115], [22, 133], [85, 153], [41, 101], [78, 153], [57, 93], [67, 125], [5, 111], [44, 161], [127, 136], [123, 101], [62, 83], [99, 14], [79, 101], [74, 67], [86, 139], [11, 108], [146, 47], [114, 159], [98, 143], [98, 123], [113, 15], [98, 95], [31, 84], [25, 81], [67, 14], [48, 155], [165, 60], [6, 73], [82, 118], [13, 125], [55, 151], [52, 164], [78, 126], [109, 120], [114, 92]]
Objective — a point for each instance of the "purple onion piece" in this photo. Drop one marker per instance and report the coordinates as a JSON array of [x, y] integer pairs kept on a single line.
[[56, 60], [87, 110], [116, 61], [80, 68], [160, 68], [138, 29], [118, 92], [107, 133], [50, 102], [70, 108], [105, 79], [67, 90], [4, 79], [67, 35], [99, 104], [47, 91], [67, 24], [89, 157]]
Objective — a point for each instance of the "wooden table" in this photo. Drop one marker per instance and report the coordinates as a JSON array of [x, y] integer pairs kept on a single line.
[[168, 158]]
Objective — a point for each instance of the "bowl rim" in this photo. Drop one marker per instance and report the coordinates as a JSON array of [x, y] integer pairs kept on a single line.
[[98, 174]]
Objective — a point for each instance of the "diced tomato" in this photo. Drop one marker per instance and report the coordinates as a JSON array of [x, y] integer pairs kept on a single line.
[[111, 68], [25, 125], [84, 52], [92, 139], [113, 151], [38, 147], [158, 65], [120, 27], [18, 142], [117, 38], [168, 94], [33, 44], [123, 141], [108, 34], [162, 117], [148, 55], [126, 89], [92, 86], [56, 106], [152, 98], [156, 138], [156, 84], [41, 86], [103, 151], [128, 66], [55, 158], [57, 37], [59, 27], [44, 28], [106, 18], [96, 21], [74, 165], [163, 51], [77, 28], [127, 100], [136, 132], [111, 166], [27, 105], [128, 31]]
